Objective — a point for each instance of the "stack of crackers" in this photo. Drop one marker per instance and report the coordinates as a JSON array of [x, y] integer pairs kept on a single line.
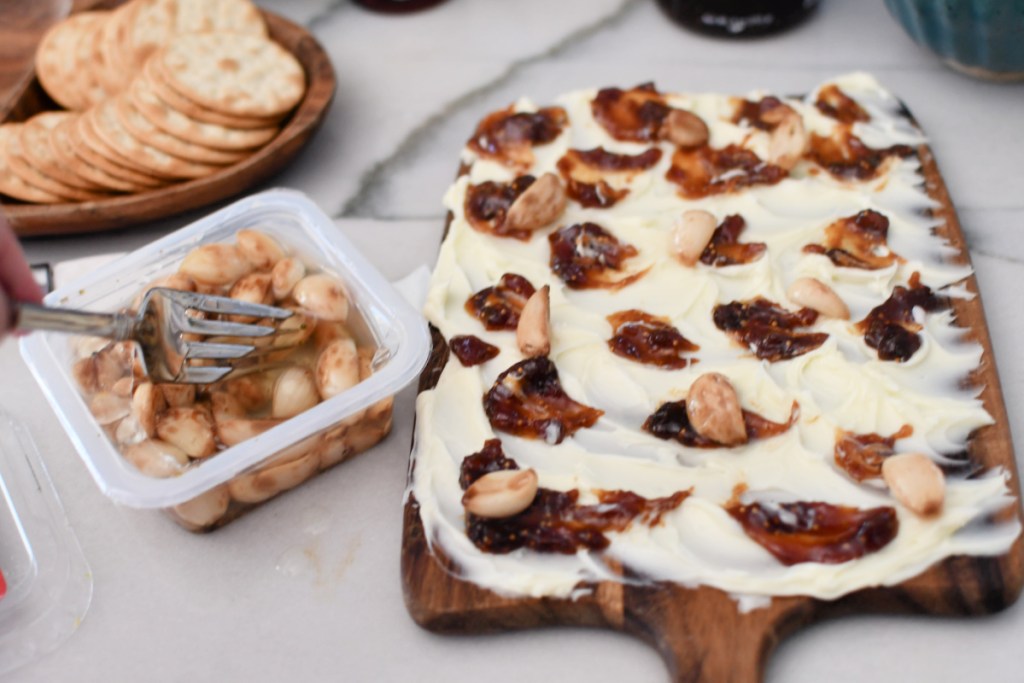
[[156, 92]]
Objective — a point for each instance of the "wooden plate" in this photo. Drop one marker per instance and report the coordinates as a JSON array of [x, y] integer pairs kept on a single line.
[[132, 209], [699, 632]]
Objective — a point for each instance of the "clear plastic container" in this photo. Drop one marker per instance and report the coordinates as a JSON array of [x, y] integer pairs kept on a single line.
[[385, 321], [49, 585]]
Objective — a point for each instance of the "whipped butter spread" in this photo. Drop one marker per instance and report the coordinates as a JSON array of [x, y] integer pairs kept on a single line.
[[840, 385]]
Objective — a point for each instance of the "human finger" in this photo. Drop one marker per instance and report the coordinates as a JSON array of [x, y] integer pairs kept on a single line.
[[15, 275], [6, 318]]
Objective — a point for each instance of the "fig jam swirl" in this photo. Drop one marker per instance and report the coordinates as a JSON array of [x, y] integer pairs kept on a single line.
[[846, 157], [859, 241], [706, 171], [765, 114], [472, 350], [585, 256], [528, 400], [487, 205], [508, 137], [890, 327], [725, 248], [670, 421], [650, 340], [555, 522], [816, 532], [861, 455], [767, 329], [585, 173], [498, 307], [836, 104], [491, 458], [633, 115]]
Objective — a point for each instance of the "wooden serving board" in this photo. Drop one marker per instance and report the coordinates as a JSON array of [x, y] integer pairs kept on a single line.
[[127, 210], [701, 634]]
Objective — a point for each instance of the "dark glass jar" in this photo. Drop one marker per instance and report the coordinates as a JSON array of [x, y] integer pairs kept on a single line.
[[397, 6], [738, 17]]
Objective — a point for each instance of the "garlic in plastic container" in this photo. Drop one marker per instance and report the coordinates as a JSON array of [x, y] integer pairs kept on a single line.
[[312, 395]]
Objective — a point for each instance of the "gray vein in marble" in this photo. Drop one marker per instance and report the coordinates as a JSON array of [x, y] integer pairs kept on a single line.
[[998, 256], [360, 204], [328, 12], [963, 208]]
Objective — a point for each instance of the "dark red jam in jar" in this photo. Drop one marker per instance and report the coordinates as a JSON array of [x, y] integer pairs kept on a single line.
[[738, 18], [397, 6]]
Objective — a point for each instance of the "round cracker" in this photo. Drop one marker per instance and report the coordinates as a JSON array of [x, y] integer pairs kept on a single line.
[[162, 89], [11, 184], [114, 71], [66, 152], [35, 146], [151, 24], [33, 176], [141, 128], [148, 24], [86, 132], [172, 121], [233, 74], [55, 59], [75, 86], [224, 16], [89, 146], [86, 63], [145, 157]]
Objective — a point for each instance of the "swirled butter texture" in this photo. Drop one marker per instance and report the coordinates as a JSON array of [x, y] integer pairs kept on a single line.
[[840, 385]]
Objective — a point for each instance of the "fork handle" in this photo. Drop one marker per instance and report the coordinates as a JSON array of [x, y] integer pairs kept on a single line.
[[116, 326]]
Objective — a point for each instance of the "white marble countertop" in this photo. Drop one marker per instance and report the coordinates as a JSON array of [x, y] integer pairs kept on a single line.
[[307, 587]]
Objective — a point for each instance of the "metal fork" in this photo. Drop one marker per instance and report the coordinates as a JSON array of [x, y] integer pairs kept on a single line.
[[160, 328]]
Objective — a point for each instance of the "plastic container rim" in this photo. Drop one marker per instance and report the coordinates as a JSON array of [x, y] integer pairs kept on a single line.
[[121, 482]]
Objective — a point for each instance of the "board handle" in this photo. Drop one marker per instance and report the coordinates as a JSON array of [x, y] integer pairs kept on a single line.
[[704, 637]]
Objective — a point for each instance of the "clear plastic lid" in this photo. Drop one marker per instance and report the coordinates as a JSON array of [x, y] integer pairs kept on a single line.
[[397, 331], [49, 585]]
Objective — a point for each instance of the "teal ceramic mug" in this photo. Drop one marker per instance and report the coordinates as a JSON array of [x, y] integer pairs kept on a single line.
[[984, 38]]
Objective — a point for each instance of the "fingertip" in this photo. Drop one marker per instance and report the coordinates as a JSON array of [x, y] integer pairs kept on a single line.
[[6, 315]]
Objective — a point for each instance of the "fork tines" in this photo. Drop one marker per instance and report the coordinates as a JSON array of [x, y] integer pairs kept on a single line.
[[209, 303], [218, 350]]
